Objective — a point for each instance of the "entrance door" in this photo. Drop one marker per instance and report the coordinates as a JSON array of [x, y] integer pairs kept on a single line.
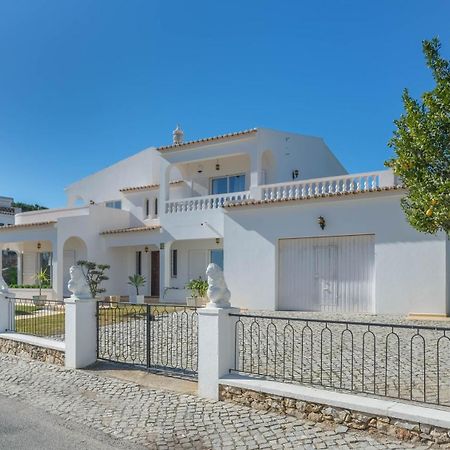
[[331, 274], [154, 274]]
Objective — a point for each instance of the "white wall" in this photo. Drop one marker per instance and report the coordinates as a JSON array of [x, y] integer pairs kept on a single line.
[[410, 267]]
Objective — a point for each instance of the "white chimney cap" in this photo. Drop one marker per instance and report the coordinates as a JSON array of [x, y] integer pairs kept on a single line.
[[178, 135]]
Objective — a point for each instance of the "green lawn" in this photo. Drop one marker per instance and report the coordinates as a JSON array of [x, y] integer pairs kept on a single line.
[[42, 325], [26, 309]]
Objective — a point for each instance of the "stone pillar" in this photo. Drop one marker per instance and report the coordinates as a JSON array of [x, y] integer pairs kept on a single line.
[[81, 332], [216, 348]]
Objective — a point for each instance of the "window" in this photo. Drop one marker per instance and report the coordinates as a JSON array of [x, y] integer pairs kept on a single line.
[[147, 207], [116, 204], [225, 185], [156, 206], [216, 257], [139, 263], [174, 264]]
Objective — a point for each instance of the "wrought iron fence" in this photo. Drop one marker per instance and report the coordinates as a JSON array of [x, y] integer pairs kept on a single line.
[[43, 318], [158, 337], [392, 360]]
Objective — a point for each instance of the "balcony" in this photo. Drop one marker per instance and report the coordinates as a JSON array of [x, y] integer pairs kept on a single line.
[[207, 202], [288, 190]]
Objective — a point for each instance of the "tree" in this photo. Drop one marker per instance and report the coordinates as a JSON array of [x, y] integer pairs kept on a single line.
[[421, 144], [25, 207], [95, 275]]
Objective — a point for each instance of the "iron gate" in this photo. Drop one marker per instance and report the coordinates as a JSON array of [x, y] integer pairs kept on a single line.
[[156, 337]]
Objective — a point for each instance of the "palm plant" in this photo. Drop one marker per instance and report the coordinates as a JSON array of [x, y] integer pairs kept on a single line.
[[42, 278], [137, 281]]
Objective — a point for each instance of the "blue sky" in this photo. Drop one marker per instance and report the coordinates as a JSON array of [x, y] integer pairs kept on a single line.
[[85, 83]]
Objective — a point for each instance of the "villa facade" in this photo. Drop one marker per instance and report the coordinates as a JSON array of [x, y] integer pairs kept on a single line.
[[277, 210]]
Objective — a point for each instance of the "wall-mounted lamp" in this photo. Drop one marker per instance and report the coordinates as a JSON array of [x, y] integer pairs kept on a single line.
[[217, 165], [199, 168], [161, 246], [146, 249], [38, 246], [217, 241], [295, 174], [321, 222]]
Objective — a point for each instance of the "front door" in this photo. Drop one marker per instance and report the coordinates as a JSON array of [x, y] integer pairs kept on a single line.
[[154, 274]]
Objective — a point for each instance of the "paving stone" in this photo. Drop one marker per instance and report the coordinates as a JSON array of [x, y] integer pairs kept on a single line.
[[164, 419]]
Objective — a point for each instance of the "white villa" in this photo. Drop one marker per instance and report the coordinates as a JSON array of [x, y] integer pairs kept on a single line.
[[291, 228], [7, 211]]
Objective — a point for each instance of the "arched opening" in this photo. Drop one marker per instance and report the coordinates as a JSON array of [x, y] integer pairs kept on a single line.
[[74, 250]]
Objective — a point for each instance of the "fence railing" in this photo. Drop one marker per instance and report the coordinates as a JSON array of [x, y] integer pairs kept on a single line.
[[392, 360], [159, 337], [204, 203], [43, 318]]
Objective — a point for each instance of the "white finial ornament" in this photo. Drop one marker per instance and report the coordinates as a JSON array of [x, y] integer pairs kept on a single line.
[[78, 284], [218, 292], [178, 135]]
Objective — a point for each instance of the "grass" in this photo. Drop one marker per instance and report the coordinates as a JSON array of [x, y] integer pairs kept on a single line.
[[42, 325], [22, 310]]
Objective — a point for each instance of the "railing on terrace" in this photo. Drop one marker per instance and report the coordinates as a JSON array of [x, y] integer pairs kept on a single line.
[[204, 203], [384, 359], [158, 337], [329, 185], [42, 318]]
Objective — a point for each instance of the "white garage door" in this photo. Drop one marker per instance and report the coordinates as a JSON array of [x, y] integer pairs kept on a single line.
[[332, 274]]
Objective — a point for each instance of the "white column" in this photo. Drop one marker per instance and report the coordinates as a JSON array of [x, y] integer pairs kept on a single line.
[[216, 348], [81, 332], [164, 268], [19, 267]]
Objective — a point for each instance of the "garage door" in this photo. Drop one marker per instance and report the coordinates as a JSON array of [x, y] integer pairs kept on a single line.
[[332, 274]]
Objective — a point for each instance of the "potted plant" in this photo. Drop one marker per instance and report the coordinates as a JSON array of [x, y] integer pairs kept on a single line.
[[198, 288], [137, 281], [43, 281]]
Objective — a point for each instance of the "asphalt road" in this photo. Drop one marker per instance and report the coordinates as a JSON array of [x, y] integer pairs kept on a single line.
[[28, 428]]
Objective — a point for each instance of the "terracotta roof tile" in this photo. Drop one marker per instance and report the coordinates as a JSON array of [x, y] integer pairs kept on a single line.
[[146, 187], [310, 197], [27, 225], [131, 230], [208, 139]]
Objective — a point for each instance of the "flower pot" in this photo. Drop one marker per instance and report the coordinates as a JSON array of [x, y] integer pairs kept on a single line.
[[39, 300], [196, 301], [140, 299]]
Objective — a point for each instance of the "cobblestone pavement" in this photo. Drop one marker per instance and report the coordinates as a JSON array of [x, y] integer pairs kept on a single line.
[[163, 419]]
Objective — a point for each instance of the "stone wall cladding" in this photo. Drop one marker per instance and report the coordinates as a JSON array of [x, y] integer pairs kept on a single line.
[[36, 352], [343, 418]]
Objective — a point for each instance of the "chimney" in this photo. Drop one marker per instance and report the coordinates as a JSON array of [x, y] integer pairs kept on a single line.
[[177, 135]]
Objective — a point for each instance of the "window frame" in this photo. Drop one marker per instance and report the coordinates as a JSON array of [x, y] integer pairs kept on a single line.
[[174, 263], [240, 174]]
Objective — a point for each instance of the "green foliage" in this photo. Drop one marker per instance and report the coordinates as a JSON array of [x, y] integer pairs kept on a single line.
[[42, 279], [422, 147], [137, 281], [27, 206], [95, 276], [30, 286], [198, 287]]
